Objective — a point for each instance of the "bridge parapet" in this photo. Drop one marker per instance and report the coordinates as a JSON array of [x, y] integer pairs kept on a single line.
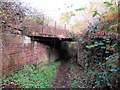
[[48, 30]]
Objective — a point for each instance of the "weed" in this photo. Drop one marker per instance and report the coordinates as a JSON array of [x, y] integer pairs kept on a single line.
[[30, 77]]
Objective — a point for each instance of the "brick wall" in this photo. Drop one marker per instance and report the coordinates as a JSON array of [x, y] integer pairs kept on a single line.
[[17, 50]]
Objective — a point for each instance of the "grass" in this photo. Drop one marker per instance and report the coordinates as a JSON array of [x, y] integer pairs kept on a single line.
[[30, 77]]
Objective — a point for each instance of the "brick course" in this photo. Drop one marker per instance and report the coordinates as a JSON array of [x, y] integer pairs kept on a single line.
[[16, 53]]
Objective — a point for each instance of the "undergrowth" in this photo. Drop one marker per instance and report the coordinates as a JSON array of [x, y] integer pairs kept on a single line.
[[30, 77], [101, 75]]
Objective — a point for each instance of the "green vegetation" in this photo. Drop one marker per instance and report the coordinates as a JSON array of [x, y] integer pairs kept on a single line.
[[74, 66], [80, 9], [101, 67], [30, 77], [99, 76]]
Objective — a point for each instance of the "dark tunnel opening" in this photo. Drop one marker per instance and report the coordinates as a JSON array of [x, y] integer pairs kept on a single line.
[[56, 43]]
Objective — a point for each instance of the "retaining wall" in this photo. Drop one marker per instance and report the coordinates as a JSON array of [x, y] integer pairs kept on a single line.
[[18, 50]]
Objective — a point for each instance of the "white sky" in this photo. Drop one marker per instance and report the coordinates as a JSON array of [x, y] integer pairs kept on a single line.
[[51, 6]]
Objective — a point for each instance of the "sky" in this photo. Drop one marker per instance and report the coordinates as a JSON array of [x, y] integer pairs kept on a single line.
[[54, 8], [51, 7]]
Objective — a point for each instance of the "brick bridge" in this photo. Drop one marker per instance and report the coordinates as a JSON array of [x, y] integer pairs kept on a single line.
[[40, 45], [49, 35]]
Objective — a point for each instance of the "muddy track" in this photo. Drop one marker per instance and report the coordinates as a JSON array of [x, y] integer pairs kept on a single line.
[[63, 75]]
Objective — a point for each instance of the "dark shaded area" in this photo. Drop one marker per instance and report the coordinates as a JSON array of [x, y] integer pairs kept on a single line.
[[50, 41]]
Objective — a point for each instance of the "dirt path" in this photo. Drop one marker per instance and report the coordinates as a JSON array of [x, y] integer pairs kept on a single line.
[[63, 75]]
